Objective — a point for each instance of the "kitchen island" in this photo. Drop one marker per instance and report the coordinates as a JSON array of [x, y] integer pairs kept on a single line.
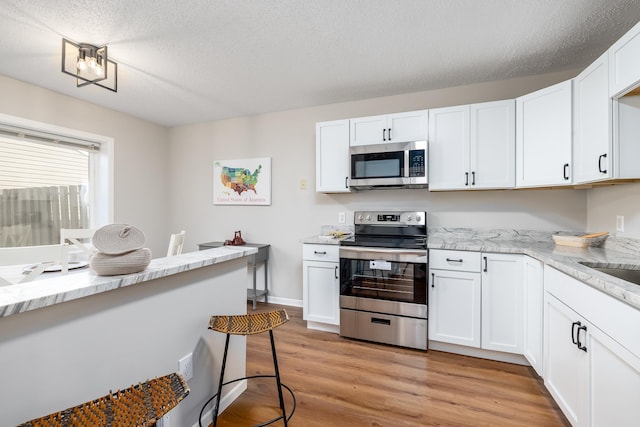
[[70, 339]]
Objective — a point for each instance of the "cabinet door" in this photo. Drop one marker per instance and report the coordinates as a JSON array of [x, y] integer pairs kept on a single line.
[[502, 303], [493, 145], [454, 307], [614, 382], [592, 130], [321, 292], [368, 130], [565, 366], [543, 137], [449, 148], [332, 156], [533, 310], [624, 62], [411, 126]]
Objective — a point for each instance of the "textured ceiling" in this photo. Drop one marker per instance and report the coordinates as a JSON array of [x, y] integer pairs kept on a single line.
[[198, 60]]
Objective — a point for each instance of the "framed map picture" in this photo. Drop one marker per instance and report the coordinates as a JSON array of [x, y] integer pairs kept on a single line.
[[242, 182]]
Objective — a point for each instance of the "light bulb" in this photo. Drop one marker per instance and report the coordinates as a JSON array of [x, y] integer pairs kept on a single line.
[[92, 62], [82, 65], [99, 70]]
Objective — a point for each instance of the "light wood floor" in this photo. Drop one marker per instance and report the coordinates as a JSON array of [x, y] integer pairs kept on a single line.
[[342, 382]]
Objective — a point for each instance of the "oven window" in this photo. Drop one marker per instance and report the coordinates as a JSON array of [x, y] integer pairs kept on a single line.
[[394, 281], [377, 165]]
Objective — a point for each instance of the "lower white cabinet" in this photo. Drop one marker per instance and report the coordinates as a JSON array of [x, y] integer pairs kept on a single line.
[[533, 312], [476, 299], [591, 364], [321, 287]]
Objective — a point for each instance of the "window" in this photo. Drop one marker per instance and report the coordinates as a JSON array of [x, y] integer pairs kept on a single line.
[[51, 178]]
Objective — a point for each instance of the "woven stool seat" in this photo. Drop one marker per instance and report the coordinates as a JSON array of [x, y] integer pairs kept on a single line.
[[248, 324], [138, 406]]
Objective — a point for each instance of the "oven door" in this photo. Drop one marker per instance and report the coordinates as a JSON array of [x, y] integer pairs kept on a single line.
[[383, 277]]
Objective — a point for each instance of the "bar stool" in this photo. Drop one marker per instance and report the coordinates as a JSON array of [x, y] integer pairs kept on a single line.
[[139, 405], [250, 324]]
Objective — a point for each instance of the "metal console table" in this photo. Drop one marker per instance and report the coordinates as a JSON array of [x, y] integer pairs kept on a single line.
[[262, 257]]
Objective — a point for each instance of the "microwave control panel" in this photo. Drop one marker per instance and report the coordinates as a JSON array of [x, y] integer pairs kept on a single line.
[[416, 163]]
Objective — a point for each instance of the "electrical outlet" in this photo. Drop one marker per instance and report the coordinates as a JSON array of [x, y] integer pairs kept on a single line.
[[619, 222], [185, 366], [303, 184], [342, 217]]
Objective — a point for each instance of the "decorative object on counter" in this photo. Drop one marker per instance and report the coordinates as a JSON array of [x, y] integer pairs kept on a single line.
[[242, 182], [580, 240], [237, 240], [120, 250], [139, 405]]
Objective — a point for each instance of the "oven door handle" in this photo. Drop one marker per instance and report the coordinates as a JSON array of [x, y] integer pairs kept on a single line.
[[415, 256]]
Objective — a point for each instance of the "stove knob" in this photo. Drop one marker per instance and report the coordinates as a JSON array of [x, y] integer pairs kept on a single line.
[[368, 217], [418, 218], [360, 217]]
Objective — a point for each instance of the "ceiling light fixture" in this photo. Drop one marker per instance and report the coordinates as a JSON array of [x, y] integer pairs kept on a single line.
[[89, 64]]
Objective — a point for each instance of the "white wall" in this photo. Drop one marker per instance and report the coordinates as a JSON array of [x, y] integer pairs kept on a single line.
[[605, 203], [288, 137], [141, 161]]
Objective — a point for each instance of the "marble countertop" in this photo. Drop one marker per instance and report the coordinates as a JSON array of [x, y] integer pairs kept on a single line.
[[540, 245], [44, 291]]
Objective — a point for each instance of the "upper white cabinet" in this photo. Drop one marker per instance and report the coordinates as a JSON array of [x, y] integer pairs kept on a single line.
[[593, 118], [400, 127], [543, 137], [624, 63], [472, 146], [332, 156]]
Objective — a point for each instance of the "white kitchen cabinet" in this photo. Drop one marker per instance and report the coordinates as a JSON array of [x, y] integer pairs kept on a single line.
[[502, 303], [399, 127], [544, 137], [533, 312], [332, 157], [624, 63], [592, 126], [321, 287], [591, 353], [472, 146]]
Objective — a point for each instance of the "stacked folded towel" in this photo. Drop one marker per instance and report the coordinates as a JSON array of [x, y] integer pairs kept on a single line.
[[120, 250]]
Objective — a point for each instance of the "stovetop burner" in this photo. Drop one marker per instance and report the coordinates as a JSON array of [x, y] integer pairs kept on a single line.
[[389, 229]]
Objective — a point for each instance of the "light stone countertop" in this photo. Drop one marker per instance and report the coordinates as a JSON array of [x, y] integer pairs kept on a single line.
[[540, 245], [44, 292]]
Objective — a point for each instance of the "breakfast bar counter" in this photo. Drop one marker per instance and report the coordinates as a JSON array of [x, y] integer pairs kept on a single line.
[[70, 339]]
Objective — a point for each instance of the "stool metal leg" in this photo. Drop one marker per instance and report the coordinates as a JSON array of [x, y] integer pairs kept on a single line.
[[275, 366], [224, 363]]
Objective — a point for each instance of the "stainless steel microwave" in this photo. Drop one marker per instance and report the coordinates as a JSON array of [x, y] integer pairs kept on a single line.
[[392, 165]]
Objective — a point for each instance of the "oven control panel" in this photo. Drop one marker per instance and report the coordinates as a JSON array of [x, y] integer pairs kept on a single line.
[[390, 218]]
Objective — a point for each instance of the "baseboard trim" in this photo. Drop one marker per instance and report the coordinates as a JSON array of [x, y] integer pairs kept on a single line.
[[323, 327], [285, 301], [517, 359], [227, 400]]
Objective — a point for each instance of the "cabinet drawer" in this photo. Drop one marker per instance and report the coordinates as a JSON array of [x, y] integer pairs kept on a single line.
[[327, 253], [454, 260]]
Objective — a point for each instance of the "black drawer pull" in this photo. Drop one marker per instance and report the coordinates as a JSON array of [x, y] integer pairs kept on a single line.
[[454, 260], [574, 338], [320, 252], [380, 321], [579, 344]]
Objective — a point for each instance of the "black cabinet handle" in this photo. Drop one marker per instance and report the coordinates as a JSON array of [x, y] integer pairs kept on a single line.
[[454, 260], [346, 182], [565, 171], [466, 178], [473, 178], [485, 263], [384, 138], [602, 156], [574, 336], [320, 252], [433, 280], [579, 344], [380, 321], [389, 133], [335, 271]]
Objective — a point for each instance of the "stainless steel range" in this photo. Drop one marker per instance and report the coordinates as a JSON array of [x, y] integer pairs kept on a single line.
[[383, 279]]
